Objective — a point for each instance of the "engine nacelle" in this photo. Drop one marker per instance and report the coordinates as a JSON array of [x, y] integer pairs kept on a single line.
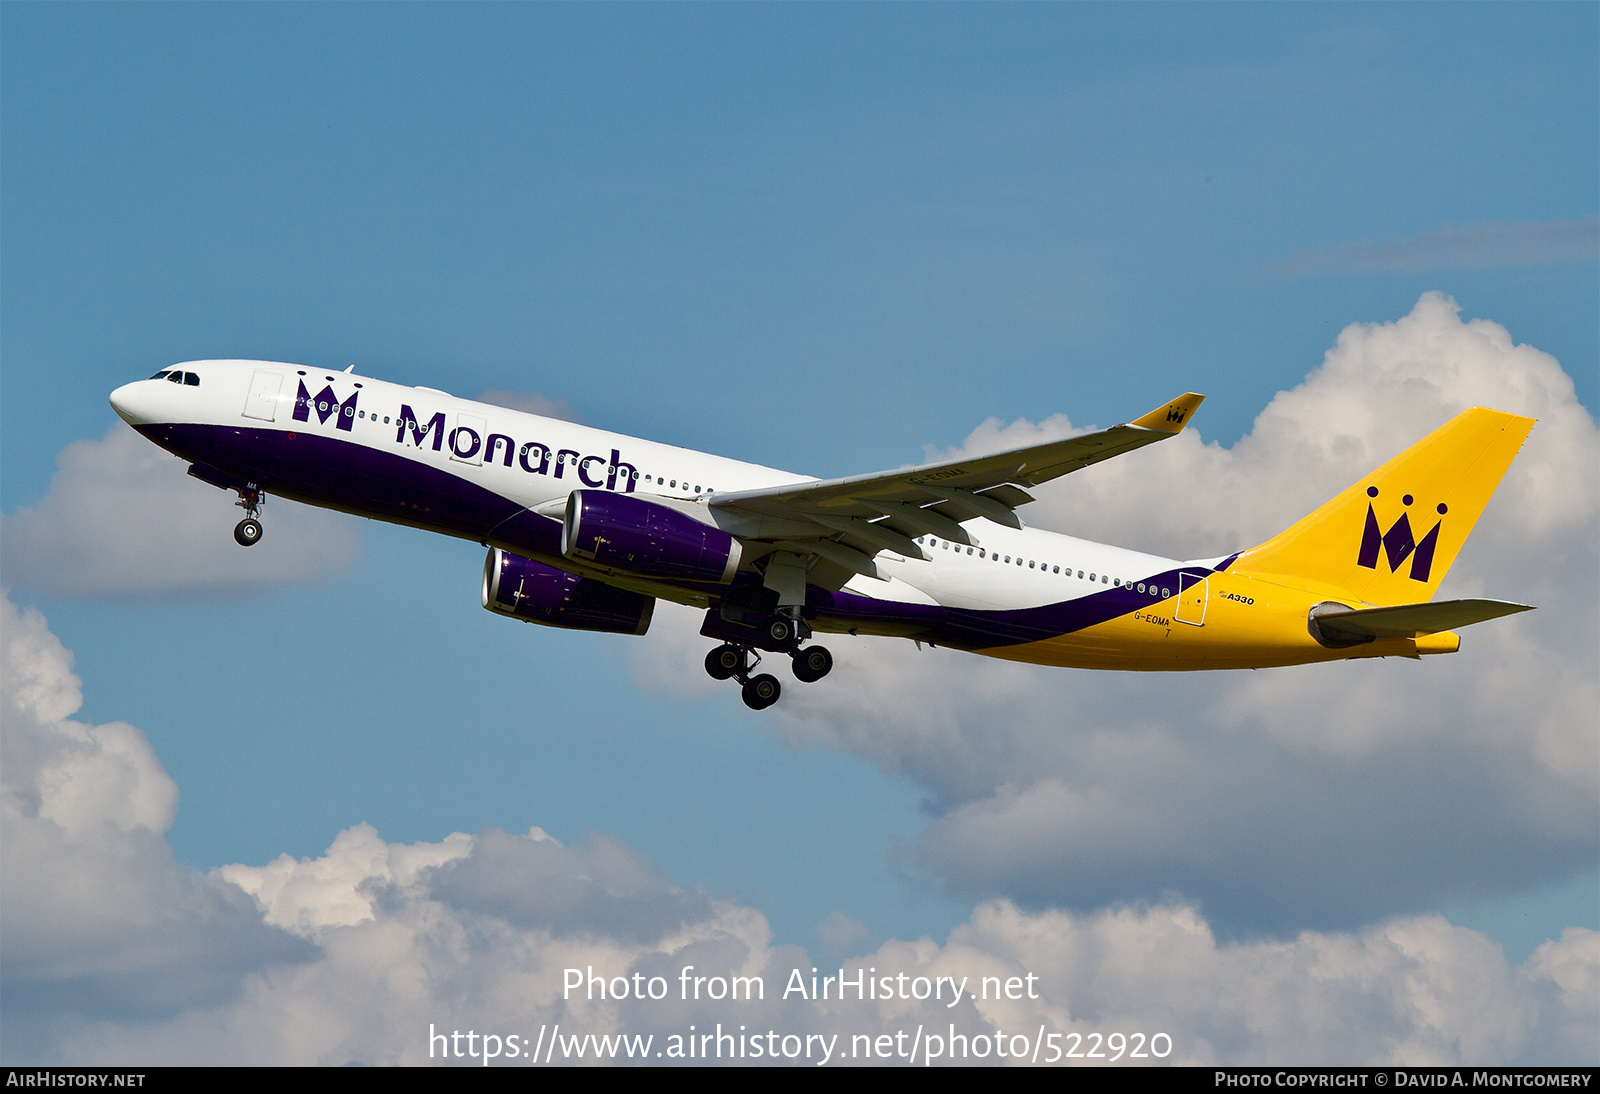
[[645, 538], [536, 593]]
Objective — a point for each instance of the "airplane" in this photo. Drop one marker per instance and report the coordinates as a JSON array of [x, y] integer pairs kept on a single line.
[[586, 529]]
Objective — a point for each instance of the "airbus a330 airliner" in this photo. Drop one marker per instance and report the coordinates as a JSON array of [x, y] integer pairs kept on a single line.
[[586, 529]]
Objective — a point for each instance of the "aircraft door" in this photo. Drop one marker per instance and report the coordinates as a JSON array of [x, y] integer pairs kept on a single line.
[[466, 439], [262, 402], [1193, 592]]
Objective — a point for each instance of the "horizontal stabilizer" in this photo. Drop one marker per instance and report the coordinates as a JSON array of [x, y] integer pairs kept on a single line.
[[1413, 620]]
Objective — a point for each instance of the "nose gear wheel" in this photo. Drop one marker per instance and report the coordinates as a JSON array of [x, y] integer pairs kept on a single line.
[[247, 533]]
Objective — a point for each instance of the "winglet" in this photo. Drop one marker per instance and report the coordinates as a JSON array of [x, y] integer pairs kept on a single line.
[[1172, 417]]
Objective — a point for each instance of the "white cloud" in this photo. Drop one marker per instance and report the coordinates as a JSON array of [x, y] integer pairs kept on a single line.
[[424, 954], [1474, 247], [99, 919], [114, 954], [839, 934], [123, 518], [1319, 796], [531, 402]]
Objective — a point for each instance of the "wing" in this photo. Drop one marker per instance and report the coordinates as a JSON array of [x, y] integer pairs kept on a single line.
[[848, 521]]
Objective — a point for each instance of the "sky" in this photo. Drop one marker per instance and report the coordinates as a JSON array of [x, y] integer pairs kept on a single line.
[[303, 803]]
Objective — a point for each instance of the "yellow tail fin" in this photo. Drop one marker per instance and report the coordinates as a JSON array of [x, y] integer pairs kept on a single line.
[[1391, 537]]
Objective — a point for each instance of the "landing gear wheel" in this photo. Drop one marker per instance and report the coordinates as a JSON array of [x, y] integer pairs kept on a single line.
[[725, 662], [760, 692], [812, 664], [779, 631], [247, 533]]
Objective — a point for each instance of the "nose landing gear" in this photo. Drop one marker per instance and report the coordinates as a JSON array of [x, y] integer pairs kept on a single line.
[[247, 533]]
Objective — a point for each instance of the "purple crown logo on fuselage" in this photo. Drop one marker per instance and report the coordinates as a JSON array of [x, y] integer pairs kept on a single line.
[[327, 405]]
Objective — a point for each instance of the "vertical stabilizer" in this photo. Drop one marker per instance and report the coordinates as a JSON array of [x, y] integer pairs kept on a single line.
[[1391, 537]]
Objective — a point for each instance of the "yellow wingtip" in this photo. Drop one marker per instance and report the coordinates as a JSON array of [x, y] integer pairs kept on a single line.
[[1172, 417]]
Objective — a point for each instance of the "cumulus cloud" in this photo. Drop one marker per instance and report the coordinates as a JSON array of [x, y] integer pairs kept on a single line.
[[1319, 796], [531, 402], [99, 919], [404, 949], [123, 518], [1474, 247], [113, 954]]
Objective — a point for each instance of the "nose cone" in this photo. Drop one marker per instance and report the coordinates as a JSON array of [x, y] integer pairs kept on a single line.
[[129, 402]]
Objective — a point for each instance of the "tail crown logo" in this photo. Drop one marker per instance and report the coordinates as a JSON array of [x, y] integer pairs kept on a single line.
[[1399, 543]]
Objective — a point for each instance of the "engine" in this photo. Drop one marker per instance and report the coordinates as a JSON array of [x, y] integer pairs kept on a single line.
[[645, 538], [536, 593]]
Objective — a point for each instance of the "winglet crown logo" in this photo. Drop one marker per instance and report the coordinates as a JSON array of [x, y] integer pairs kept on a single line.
[[327, 405], [1176, 414], [1399, 543]]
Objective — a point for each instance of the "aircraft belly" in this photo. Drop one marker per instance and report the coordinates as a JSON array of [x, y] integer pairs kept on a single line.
[[1245, 624], [346, 475]]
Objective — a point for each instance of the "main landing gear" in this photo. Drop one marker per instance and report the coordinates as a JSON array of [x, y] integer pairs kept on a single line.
[[732, 661], [247, 533]]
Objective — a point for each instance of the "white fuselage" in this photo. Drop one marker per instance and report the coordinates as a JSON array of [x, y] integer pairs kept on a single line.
[[533, 461]]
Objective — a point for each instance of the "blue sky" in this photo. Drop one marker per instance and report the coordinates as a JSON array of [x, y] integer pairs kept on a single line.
[[823, 238]]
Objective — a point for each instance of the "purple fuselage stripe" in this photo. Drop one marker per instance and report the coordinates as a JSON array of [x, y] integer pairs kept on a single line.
[[340, 474], [973, 629]]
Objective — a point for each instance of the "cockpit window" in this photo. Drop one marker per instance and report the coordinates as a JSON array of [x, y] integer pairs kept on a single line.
[[191, 379], [162, 375], [174, 377]]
